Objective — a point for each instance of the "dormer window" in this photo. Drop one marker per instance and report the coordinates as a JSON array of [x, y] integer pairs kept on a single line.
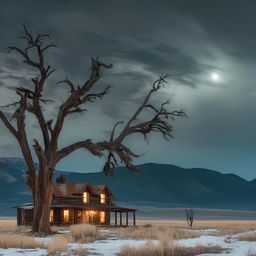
[[102, 198], [86, 197]]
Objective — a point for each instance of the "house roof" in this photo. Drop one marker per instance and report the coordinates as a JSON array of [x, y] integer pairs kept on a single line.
[[71, 189], [111, 207]]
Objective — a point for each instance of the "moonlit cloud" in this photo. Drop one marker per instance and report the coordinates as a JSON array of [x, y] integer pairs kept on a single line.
[[189, 40]]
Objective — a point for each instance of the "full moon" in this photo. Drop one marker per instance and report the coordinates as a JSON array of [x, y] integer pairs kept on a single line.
[[215, 77]]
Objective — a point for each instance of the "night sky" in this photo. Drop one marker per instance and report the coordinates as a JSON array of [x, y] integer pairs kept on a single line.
[[208, 48]]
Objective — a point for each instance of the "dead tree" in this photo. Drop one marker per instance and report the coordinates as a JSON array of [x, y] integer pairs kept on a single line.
[[190, 214], [48, 153]]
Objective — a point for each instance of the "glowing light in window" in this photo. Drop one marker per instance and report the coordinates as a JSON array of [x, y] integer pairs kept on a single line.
[[85, 197], [102, 198], [51, 216], [102, 217], [66, 215]]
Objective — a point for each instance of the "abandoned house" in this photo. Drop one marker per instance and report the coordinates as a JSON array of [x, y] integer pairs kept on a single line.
[[75, 203]]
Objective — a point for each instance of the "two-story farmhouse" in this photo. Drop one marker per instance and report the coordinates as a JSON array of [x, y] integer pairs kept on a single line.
[[75, 203]]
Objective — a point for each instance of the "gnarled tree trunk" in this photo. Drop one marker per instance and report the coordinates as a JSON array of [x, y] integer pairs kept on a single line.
[[42, 205]]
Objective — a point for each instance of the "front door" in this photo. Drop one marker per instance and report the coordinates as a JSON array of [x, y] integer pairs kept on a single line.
[[89, 217], [79, 216]]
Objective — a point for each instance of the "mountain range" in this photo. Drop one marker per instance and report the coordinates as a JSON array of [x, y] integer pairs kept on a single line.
[[161, 185]]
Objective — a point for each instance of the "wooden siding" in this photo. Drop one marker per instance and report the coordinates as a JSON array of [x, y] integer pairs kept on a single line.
[[94, 200], [78, 211], [24, 217]]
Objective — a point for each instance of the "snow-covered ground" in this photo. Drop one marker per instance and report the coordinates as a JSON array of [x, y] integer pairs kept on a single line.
[[108, 247], [22, 252], [202, 231], [234, 247], [112, 245]]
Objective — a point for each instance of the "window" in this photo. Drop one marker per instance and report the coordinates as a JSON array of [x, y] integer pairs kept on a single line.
[[66, 215], [51, 216], [102, 198], [86, 197], [102, 217]]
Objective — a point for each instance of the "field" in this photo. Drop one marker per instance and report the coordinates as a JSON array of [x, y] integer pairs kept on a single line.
[[149, 237]]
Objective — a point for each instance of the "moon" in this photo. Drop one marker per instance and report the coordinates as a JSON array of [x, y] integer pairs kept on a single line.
[[215, 77]]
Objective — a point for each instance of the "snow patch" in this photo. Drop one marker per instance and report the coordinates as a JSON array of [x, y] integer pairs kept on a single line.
[[27, 252]]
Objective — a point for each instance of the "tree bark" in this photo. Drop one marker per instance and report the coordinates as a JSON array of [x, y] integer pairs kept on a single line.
[[42, 206]]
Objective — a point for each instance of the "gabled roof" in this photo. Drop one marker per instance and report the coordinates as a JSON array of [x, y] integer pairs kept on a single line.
[[71, 189]]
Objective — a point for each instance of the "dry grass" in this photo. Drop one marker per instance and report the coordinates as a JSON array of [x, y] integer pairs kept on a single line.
[[11, 226], [148, 232], [166, 249], [80, 251], [251, 237], [85, 233], [19, 241], [57, 244], [225, 227]]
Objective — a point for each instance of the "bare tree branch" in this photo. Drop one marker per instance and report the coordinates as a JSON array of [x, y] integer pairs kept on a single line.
[[114, 129], [69, 83], [8, 124], [78, 97], [35, 95]]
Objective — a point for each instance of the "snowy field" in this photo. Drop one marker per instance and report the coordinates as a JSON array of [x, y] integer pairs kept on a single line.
[[111, 246]]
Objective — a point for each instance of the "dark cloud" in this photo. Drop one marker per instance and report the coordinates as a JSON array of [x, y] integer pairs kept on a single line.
[[186, 39]]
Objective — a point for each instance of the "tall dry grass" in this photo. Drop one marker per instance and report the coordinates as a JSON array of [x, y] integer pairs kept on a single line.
[[84, 233], [57, 245], [251, 237], [166, 249], [11, 226], [148, 232], [225, 227], [79, 251], [19, 241]]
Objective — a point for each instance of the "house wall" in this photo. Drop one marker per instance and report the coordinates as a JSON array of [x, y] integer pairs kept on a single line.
[[24, 216]]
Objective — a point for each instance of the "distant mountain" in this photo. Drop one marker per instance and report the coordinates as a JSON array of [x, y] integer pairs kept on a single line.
[[158, 185]]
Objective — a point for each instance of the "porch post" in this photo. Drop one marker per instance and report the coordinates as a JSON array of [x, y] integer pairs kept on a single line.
[[115, 218], [73, 218], [134, 219], [120, 218], [126, 218]]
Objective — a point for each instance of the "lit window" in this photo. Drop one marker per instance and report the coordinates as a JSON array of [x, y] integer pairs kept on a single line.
[[102, 217], [66, 215], [102, 198], [51, 216], [85, 197]]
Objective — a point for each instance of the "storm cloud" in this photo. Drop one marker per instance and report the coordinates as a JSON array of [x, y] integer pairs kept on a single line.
[[189, 40]]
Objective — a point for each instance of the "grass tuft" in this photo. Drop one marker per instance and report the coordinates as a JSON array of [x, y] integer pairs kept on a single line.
[[57, 245], [149, 232], [166, 249], [19, 241], [251, 237], [84, 233]]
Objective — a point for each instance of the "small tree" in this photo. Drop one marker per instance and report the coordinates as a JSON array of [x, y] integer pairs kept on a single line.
[[48, 153], [190, 214]]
